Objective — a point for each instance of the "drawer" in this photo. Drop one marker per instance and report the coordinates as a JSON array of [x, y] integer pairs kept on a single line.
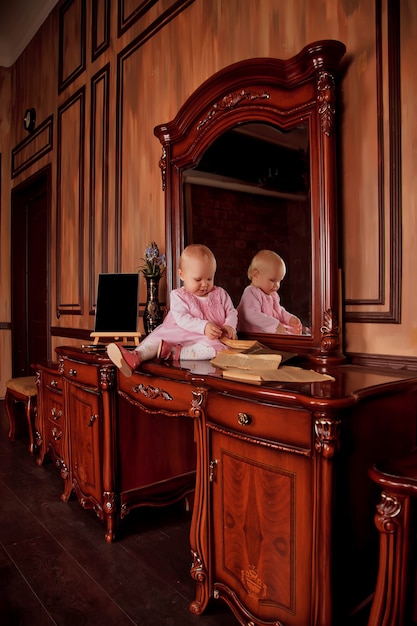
[[53, 382], [82, 373], [283, 425], [156, 394]]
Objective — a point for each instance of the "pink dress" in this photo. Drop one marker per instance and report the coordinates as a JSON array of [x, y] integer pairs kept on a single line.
[[189, 314], [260, 312]]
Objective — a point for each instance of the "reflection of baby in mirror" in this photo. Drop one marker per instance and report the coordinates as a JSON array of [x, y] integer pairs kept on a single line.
[[259, 309]]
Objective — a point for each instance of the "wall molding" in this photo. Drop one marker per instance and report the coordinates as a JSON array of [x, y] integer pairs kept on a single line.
[[71, 61], [388, 361], [100, 40], [69, 233], [99, 181], [394, 203], [33, 147]]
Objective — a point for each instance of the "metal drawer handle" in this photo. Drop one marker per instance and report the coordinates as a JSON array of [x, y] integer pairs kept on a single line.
[[56, 434], [243, 419], [56, 414], [72, 372]]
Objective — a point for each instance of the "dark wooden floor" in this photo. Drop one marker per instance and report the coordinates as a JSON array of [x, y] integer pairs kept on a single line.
[[56, 568]]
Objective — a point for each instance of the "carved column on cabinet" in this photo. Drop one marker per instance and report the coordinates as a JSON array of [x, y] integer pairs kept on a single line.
[[110, 504], [327, 442], [199, 539]]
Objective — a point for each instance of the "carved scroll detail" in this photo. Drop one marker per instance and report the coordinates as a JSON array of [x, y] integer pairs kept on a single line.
[[109, 504], [163, 167], [326, 102], [229, 102], [388, 509], [198, 396], [107, 377], [198, 571], [327, 436], [152, 393], [330, 332]]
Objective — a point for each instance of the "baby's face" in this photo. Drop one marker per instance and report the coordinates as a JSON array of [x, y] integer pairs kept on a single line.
[[197, 276], [268, 277]]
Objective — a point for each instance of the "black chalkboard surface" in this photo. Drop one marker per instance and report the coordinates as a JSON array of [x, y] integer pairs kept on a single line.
[[117, 303]]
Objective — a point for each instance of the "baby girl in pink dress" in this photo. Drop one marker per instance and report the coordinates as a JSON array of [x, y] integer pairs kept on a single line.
[[200, 314], [260, 310]]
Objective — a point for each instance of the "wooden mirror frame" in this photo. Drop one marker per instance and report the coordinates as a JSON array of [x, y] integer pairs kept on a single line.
[[283, 93]]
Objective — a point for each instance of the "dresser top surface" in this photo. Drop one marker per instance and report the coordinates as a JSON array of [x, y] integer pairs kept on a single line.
[[351, 383]]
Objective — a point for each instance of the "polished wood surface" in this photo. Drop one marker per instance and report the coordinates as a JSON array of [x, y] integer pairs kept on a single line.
[[284, 506], [118, 444], [395, 600]]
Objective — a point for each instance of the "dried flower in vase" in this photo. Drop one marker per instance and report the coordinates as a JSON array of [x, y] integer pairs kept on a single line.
[[154, 262]]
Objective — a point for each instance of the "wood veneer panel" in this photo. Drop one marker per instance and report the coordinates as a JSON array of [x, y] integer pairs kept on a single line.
[[70, 206]]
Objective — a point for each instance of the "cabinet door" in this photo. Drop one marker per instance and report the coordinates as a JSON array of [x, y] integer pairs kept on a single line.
[[85, 429], [262, 528]]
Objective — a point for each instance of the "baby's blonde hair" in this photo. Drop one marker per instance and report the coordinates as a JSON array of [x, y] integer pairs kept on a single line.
[[196, 251], [262, 258]]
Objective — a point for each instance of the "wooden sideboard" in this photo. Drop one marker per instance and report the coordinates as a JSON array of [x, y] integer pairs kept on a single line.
[[282, 527], [118, 446]]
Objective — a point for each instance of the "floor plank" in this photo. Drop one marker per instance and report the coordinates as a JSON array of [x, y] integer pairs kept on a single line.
[[56, 568]]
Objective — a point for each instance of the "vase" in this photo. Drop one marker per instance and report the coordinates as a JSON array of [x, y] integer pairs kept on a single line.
[[152, 315]]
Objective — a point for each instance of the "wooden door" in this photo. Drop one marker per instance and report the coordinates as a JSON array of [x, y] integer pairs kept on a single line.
[[262, 537], [84, 415], [29, 271]]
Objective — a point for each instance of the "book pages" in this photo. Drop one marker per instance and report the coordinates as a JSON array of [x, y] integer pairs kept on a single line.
[[229, 359], [286, 373]]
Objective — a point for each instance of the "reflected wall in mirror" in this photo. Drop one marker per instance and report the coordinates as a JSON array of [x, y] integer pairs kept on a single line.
[[249, 163], [251, 191]]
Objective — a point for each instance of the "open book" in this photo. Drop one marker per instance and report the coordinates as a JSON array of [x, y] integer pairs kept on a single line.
[[229, 358], [252, 362], [254, 348]]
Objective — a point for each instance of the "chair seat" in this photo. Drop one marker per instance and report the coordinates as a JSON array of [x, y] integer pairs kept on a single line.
[[22, 389], [24, 385]]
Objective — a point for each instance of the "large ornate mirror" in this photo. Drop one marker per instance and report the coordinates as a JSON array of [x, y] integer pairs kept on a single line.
[[249, 163]]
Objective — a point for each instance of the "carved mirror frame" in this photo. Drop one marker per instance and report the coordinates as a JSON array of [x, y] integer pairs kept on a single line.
[[283, 93]]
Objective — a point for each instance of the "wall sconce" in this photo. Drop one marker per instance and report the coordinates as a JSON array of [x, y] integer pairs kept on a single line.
[[29, 119]]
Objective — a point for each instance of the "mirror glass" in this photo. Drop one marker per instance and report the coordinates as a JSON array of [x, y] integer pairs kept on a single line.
[[251, 191]]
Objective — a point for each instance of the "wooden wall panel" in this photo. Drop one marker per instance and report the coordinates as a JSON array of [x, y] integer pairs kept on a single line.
[[72, 44], [100, 29], [374, 231], [70, 206], [98, 218], [129, 11]]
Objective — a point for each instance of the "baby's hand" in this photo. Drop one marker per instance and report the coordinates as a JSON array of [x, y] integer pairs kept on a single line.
[[296, 326], [229, 332], [281, 330], [212, 331]]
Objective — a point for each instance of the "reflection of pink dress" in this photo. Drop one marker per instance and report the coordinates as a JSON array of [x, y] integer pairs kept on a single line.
[[260, 312], [188, 316]]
